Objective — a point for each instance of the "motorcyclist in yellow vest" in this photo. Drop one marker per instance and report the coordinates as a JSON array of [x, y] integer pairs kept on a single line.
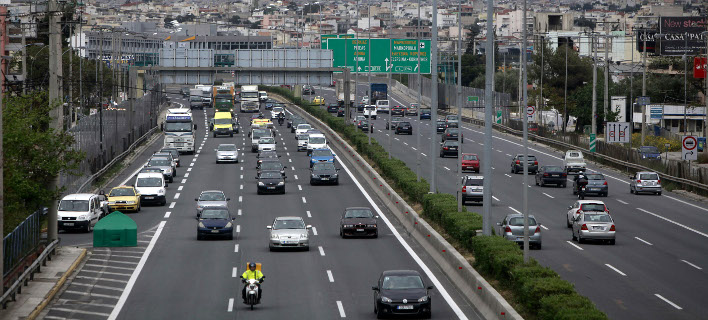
[[249, 274]]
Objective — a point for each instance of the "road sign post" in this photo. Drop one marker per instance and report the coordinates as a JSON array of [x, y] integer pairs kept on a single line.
[[530, 112], [592, 142], [618, 132], [499, 117], [689, 145]]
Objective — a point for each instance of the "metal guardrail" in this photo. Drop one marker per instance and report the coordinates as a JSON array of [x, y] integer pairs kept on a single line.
[[28, 274], [22, 241], [633, 166]]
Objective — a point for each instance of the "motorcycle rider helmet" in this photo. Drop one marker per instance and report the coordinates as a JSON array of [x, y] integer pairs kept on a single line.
[[252, 265]]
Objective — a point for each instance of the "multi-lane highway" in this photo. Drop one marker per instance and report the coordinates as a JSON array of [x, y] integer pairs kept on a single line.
[[657, 269], [172, 275]]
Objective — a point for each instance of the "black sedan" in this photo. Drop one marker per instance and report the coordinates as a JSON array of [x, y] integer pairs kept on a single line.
[[452, 134], [398, 111], [267, 155], [363, 125], [449, 148], [270, 182], [340, 112], [358, 221], [402, 292], [215, 222], [394, 122], [271, 165], [324, 173], [332, 107], [441, 126], [404, 127], [554, 175]]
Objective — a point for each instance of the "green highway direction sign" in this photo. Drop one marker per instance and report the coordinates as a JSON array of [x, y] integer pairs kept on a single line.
[[472, 99], [402, 59], [325, 37]]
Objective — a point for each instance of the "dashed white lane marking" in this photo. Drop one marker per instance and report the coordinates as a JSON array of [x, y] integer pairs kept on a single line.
[[290, 160], [240, 212], [241, 168], [194, 159], [191, 164], [508, 155], [184, 180], [314, 231], [238, 228], [230, 308], [495, 198], [172, 205], [414, 148], [406, 143], [167, 214], [667, 301], [446, 168], [186, 175], [299, 187], [287, 154], [241, 176], [240, 198], [517, 211], [622, 202], [544, 227], [506, 174], [642, 240], [674, 222], [424, 155], [615, 269], [234, 272], [548, 195], [292, 167], [295, 177], [236, 247], [286, 148], [177, 195], [321, 251], [304, 200], [329, 275], [574, 245], [180, 188], [341, 309], [189, 169], [309, 215], [692, 265], [241, 187]]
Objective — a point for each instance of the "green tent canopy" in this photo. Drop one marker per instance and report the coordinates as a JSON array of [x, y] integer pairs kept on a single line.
[[115, 230]]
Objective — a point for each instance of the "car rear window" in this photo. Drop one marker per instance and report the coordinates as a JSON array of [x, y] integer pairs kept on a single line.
[[592, 207], [553, 168], [474, 182], [574, 154], [597, 218], [469, 157], [595, 176], [531, 158], [649, 176], [519, 221]]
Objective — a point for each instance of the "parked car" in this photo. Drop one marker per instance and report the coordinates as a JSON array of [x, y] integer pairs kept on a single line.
[[449, 148], [517, 165], [594, 226], [512, 229], [470, 161], [645, 181], [649, 153], [596, 184], [554, 175]]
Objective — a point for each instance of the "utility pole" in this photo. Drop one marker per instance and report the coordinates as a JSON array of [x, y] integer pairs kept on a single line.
[[368, 55], [644, 86], [593, 115], [487, 156], [524, 186], [543, 102], [459, 105], [565, 89], [2, 178], [390, 76], [356, 56], [434, 93], [606, 102], [57, 112], [420, 87], [24, 59], [685, 82], [631, 82]]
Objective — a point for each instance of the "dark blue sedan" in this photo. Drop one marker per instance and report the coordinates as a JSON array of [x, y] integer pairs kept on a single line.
[[649, 153], [215, 222]]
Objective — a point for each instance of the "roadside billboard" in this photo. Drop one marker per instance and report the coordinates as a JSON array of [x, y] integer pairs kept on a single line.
[[681, 35]]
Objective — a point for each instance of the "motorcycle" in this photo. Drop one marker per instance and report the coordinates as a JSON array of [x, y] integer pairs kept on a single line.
[[252, 291], [581, 193], [280, 121]]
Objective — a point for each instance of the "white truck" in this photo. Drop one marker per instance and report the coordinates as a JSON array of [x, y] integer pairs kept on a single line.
[[573, 161], [249, 93], [206, 93], [179, 129]]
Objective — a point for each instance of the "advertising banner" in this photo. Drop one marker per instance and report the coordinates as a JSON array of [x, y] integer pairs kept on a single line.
[[699, 67], [681, 35]]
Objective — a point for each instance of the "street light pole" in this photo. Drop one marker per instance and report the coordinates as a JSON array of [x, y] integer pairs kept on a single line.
[[459, 106], [685, 82], [644, 86], [488, 107], [420, 87], [593, 115], [434, 92], [390, 76], [368, 55], [565, 90], [525, 161]]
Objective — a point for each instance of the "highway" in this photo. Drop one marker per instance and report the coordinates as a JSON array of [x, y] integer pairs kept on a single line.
[[172, 275], [657, 269]]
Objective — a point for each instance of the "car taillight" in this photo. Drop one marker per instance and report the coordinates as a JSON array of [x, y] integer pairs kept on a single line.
[[579, 212], [545, 174], [658, 181], [507, 229], [639, 181], [535, 163], [464, 188], [518, 162], [612, 228], [538, 229], [565, 174], [444, 148], [605, 183], [584, 227]]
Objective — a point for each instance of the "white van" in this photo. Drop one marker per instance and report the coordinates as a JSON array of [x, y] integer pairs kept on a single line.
[[383, 106], [80, 211], [573, 161], [151, 187], [316, 141], [262, 96], [370, 112]]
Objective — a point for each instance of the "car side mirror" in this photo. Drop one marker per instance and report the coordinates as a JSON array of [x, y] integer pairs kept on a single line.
[[308, 226], [375, 288], [269, 227], [195, 199], [431, 287], [195, 127], [228, 199]]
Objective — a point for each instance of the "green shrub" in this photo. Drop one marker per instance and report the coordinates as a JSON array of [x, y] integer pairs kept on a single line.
[[536, 289], [462, 226], [523, 273], [580, 314], [503, 262], [435, 205], [485, 248], [550, 306]]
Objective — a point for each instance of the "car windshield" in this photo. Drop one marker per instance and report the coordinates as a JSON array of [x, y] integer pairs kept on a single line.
[[597, 218], [302, 136], [159, 163], [249, 94], [402, 283], [441, 123], [195, 98], [73, 205], [268, 154], [215, 214], [304, 126], [149, 182], [595, 176], [426, 111], [649, 176], [151, 170], [222, 121], [649, 149], [364, 122], [474, 182], [403, 124], [271, 166], [519, 221], [592, 207], [121, 192], [278, 109], [271, 175], [288, 224], [174, 152], [358, 213], [554, 169], [163, 154], [451, 118], [212, 196], [178, 126], [316, 140], [266, 140], [323, 167], [321, 153], [469, 157], [258, 133], [226, 147]]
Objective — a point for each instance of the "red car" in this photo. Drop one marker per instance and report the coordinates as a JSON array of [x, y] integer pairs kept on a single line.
[[470, 161]]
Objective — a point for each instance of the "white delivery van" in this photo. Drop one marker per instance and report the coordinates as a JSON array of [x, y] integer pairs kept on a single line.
[[262, 96], [316, 141], [80, 211], [151, 187], [383, 106]]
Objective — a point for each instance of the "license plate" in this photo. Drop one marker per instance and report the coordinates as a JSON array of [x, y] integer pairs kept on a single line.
[[405, 307], [594, 189], [325, 179], [290, 242], [271, 187], [597, 228], [69, 224], [359, 230], [149, 198], [214, 231], [555, 175]]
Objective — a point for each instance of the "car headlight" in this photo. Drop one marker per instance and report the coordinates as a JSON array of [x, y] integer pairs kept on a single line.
[[273, 236], [349, 226], [161, 192], [314, 175], [130, 202], [281, 183], [423, 299], [260, 184], [386, 300], [371, 225], [644, 156], [228, 225], [201, 225], [83, 217], [336, 175]]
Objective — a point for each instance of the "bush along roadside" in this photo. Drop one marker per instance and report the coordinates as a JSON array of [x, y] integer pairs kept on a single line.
[[538, 290]]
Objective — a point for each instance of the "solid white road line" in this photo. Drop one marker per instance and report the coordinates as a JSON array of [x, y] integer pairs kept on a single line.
[[517, 211], [180, 188], [321, 251], [616, 270], [495, 198], [622, 202], [574, 245], [329, 275], [692, 265], [684, 202], [231, 305], [309, 215], [304, 200], [642, 240], [341, 309], [443, 292], [239, 212], [236, 247], [674, 222], [177, 195], [172, 205], [136, 273], [669, 302], [167, 214], [544, 227], [548, 195], [234, 272]]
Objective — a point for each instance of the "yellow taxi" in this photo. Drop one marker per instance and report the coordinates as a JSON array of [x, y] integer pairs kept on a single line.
[[124, 198], [318, 100]]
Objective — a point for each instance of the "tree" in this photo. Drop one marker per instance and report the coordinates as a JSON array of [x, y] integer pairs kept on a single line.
[[255, 25], [34, 154], [235, 20]]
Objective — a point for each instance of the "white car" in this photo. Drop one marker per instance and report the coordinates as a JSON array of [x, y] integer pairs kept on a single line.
[[226, 152], [276, 111], [151, 187], [266, 144], [316, 141], [365, 100], [370, 112], [302, 128], [302, 142], [262, 96], [581, 206], [80, 211], [573, 161]]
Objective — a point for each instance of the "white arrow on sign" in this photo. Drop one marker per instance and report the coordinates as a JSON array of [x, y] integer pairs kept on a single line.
[[359, 69], [387, 65]]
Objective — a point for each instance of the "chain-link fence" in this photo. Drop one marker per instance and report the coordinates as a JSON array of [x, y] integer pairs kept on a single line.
[[447, 94], [104, 134]]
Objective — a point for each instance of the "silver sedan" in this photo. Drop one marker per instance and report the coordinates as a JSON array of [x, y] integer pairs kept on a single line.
[[226, 152], [211, 198], [289, 232], [594, 226], [512, 228]]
